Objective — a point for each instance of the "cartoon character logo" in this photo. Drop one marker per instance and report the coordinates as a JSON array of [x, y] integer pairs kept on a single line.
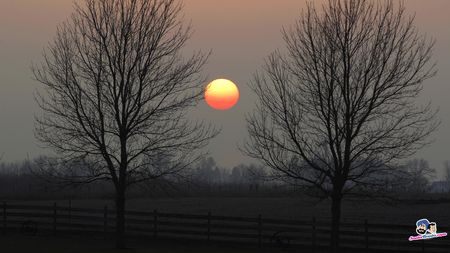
[[432, 228], [421, 226], [425, 230]]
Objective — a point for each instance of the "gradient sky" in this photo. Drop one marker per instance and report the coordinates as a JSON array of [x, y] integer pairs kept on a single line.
[[240, 33]]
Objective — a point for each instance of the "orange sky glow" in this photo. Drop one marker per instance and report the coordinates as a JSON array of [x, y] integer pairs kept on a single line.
[[240, 34]]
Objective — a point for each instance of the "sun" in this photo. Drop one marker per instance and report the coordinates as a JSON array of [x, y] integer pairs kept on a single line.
[[221, 94]]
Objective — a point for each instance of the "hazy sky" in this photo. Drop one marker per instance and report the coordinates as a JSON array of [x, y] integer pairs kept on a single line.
[[240, 33]]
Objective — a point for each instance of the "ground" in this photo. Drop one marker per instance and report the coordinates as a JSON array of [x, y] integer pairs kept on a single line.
[[287, 208], [39, 244], [433, 208]]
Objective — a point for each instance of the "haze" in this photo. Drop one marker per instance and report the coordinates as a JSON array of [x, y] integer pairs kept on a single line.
[[239, 33]]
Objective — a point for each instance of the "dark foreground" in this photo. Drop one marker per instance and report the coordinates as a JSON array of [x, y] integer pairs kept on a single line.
[[435, 209], [40, 244]]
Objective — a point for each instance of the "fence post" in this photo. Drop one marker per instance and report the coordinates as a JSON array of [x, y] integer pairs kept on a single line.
[[366, 230], [4, 217], [314, 234], [70, 207], [259, 231], [105, 222], [54, 219], [155, 225], [209, 226]]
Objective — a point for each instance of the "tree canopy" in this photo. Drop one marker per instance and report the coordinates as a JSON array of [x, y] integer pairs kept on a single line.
[[337, 112], [117, 93]]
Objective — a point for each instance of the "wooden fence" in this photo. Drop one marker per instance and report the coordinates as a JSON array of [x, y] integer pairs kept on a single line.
[[310, 235]]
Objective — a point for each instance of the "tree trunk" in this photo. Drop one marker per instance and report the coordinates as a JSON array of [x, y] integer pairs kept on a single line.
[[120, 217], [335, 222]]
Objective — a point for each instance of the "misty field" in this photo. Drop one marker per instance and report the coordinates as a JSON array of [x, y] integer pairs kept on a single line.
[[435, 208]]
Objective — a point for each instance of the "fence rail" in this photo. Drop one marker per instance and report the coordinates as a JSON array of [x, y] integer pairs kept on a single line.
[[259, 232]]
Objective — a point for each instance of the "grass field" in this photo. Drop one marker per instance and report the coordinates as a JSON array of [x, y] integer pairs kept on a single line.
[[288, 208], [39, 244]]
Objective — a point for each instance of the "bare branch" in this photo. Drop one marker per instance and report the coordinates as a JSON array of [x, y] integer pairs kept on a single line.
[[336, 114], [117, 92]]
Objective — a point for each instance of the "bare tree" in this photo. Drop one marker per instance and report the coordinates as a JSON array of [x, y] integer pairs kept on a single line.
[[337, 113], [205, 170], [420, 175], [117, 93], [237, 174], [447, 171]]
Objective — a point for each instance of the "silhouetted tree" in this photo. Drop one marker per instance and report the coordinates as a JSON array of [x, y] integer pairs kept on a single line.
[[342, 101], [117, 93], [205, 169], [208, 173], [221, 174], [238, 174], [447, 171], [420, 175]]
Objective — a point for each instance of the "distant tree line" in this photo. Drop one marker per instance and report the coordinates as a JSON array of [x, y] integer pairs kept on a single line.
[[208, 172], [17, 181]]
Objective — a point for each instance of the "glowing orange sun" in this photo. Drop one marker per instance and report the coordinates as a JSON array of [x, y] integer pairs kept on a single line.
[[221, 94]]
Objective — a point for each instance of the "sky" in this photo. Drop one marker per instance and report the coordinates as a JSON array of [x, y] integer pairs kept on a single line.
[[240, 33]]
